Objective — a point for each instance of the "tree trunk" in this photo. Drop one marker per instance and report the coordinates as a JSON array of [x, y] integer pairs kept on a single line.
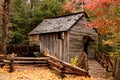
[[4, 27]]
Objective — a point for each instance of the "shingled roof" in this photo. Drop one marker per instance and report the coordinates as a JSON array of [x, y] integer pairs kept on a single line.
[[58, 24]]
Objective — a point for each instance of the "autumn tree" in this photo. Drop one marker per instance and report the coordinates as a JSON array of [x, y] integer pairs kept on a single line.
[[5, 14], [98, 10]]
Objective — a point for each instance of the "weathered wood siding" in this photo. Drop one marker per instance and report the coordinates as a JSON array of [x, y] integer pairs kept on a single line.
[[57, 47], [34, 39], [76, 43]]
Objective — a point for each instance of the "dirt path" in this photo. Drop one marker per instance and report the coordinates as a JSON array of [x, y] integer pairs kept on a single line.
[[97, 71]]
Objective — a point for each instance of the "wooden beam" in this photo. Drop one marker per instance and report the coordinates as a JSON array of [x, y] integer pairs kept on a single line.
[[26, 62], [30, 58], [74, 69], [54, 64]]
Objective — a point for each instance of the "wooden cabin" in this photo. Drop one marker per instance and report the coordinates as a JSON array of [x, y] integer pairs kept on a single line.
[[65, 36]]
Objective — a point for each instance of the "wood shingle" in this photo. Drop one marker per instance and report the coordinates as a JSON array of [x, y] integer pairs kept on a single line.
[[57, 24]]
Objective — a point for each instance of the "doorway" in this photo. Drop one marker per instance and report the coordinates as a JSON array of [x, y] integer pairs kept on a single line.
[[87, 41]]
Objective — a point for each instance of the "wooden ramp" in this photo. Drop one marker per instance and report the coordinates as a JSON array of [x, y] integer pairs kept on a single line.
[[97, 72]]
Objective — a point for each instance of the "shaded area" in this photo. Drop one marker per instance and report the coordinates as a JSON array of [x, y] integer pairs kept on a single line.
[[87, 41]]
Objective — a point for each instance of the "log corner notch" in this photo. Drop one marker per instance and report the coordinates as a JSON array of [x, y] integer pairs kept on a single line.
[[64, 67]]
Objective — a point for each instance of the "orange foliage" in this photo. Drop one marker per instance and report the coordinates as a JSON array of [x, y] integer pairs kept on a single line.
[[99, 9], [94, 4], [91, 5], [69, 7]]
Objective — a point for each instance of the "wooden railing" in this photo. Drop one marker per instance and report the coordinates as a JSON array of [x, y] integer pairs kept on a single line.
[[116, 71], [110, 63], [83, 61], [64, 67], [25, 60], [50, 61], [105, 60]]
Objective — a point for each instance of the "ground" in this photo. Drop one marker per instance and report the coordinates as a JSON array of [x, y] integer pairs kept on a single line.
[[35, 72], [32, 72]]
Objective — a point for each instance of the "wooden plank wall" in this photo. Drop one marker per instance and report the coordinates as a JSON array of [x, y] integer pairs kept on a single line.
[[57, 47], [76, 39], [76, 34], [33, 39], [116, 71]]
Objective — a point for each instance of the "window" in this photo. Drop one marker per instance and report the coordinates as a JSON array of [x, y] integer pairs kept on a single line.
[[59, 35]]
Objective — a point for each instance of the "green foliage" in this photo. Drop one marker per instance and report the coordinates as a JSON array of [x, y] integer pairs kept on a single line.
[[74, 61], [25, 16], [105, 48], [109, 44]]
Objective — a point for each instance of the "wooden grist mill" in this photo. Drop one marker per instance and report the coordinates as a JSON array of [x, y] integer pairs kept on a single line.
[[64, 36]]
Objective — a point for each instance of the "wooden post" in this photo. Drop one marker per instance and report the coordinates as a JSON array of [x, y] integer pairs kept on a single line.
[[62, 72], [113, 74], [102, 57], [106, 63], [11, 66], [86, 60], [11, 62], [116, 72]]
